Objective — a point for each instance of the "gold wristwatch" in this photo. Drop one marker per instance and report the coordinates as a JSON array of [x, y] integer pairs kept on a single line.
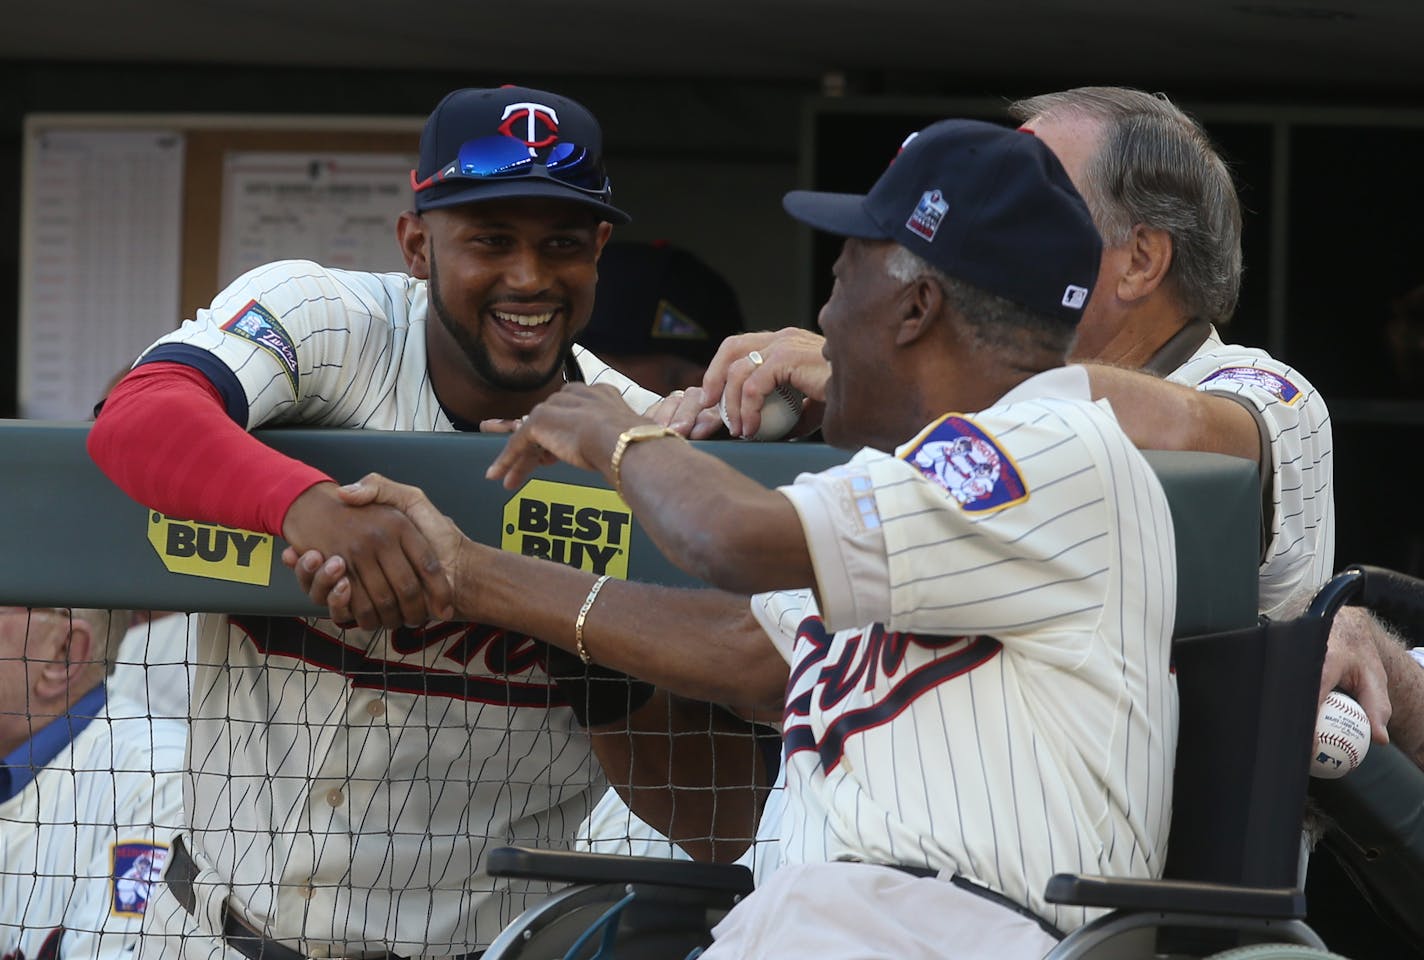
[[634, 434]]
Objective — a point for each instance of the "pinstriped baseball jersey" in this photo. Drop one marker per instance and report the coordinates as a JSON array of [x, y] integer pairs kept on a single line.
[[1009, 712], [345, 784], [1300, 552], [82, 843], [331, 348]]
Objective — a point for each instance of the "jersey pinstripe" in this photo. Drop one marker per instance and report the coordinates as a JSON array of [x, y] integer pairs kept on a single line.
[[345, 784], [1009, 713], [1300, 550], [82, 843]]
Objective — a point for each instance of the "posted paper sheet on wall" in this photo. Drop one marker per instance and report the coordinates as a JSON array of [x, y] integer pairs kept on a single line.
[[337, 209], [101, 258]]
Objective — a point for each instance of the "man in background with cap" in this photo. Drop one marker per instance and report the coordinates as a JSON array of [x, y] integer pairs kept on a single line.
[[660, 314], [968, 624], [343, 784]]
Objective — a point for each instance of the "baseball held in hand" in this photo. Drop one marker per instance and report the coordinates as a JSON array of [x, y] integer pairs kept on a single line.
[[1342, 737], [780, 412]]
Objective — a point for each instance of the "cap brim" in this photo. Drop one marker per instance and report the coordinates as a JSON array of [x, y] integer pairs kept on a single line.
[[530, 187], [843, 214]]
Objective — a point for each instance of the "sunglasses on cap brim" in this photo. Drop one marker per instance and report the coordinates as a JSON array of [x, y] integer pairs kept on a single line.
[[497, 156]]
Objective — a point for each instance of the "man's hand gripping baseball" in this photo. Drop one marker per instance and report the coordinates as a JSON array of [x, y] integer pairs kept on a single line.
[[750, 366]]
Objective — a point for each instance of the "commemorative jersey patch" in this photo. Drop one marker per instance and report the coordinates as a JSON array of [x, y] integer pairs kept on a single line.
[[256, 324], [1257, 379], [137, 869], [969, 464]]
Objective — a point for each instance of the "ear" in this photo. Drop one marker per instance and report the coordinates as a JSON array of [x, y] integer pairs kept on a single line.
[[921, 304], [1145, 258], [601, 237], [413, 235], [64, 675]]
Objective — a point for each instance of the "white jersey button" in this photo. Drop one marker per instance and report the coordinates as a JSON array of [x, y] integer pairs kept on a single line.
[[306, 891], [376, 708], [335, 797]]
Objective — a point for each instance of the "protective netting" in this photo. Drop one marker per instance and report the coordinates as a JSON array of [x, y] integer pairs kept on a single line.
[[334, 789]]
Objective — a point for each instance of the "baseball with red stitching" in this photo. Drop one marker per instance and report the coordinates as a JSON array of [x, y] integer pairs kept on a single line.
[[780, 412], [1342, 737]]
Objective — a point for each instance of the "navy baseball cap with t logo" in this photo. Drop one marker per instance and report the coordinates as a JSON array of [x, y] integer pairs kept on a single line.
[[504, 142], [984, 204]]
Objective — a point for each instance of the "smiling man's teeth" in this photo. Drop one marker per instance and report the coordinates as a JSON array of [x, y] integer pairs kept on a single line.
[[525, 319]]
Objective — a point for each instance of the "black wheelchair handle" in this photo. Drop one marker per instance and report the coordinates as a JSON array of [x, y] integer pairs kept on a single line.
[[1399, 597], [1339, 590]]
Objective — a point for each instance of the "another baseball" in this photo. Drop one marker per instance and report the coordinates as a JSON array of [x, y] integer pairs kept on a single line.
[[1342, 737], [780, 412]]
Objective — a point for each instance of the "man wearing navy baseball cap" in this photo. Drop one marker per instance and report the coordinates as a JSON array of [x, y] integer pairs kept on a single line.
[[965, 627], [346, 782], [481, 145]]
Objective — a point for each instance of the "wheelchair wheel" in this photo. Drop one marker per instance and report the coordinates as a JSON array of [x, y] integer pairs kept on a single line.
[[1275, 951]]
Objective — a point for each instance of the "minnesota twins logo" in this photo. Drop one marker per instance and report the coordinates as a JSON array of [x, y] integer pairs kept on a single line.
[[537, 119], [857, 681], [457, 660], [966, 461]]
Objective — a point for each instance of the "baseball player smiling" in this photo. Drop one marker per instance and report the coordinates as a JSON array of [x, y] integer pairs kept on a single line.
[[345, 784]]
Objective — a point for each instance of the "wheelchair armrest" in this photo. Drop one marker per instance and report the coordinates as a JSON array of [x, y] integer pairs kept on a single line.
[[1180, 896], [571, 867], [1379, 806]]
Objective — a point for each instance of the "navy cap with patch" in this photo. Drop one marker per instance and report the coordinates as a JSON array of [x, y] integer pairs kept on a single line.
[[659, 298], [984, 204], [512, 142]]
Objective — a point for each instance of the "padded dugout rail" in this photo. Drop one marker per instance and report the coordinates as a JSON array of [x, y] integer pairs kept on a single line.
[[69, 537]]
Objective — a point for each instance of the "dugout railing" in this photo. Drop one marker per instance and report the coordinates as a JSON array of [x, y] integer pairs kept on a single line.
[[69, 537]]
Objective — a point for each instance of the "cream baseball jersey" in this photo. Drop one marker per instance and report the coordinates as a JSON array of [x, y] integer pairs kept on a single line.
[[1299, 552], [986, 688], [83, 843], [344, 785]]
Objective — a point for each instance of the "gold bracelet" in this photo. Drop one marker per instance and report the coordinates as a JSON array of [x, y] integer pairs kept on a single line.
[[634, 434], [579, 648]]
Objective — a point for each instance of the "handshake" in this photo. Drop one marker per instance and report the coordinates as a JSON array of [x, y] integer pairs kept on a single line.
[[378, 553]]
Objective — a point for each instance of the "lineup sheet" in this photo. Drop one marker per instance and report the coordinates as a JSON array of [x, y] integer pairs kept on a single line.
[[101, 255]]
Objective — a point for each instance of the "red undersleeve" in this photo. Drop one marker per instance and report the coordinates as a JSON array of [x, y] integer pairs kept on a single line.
[[165, 439]]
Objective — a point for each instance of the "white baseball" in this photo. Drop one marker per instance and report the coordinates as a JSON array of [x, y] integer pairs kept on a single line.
[[1342, 737], [780, 412]]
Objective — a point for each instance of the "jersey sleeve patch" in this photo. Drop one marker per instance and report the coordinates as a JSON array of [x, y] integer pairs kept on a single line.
[[969, 464], [137, 869], [1257, 379], [256, 324]]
